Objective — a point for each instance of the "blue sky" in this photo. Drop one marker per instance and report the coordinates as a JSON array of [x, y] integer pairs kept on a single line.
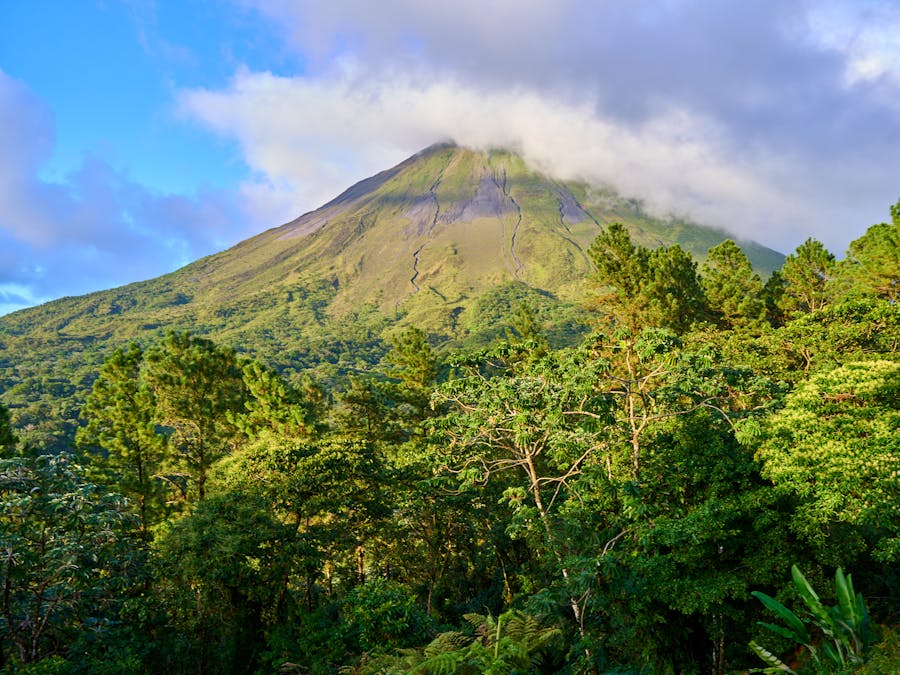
[[138, 135]]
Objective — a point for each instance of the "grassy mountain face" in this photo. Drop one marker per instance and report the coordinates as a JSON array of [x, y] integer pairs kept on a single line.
[[450, 240]]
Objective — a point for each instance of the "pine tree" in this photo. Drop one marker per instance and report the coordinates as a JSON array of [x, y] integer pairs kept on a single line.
[[674, 297], [640, 288], [128, 453], [733, 289], [196, 384], [872, 264], [806, 274], [622, 273]]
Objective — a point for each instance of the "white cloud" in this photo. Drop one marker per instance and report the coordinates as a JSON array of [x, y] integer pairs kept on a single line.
[[311, 138], [743, 115], [865, 32]]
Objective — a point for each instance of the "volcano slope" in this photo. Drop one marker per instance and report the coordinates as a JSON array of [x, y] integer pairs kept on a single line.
[[450, 240]]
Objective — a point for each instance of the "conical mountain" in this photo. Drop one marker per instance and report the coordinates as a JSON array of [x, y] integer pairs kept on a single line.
[[424, 242], [442, 227], [427, 235]]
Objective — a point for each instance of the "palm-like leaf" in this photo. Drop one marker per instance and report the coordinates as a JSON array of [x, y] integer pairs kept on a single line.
[[796, 629]]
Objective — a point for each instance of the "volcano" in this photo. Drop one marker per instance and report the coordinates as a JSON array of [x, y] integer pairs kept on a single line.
[[447, 240]]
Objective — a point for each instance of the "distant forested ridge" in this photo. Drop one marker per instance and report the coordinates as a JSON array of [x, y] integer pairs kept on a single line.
[[673, 473]]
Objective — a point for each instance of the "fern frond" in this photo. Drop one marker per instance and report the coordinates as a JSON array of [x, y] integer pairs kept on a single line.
[[439, 664], [446, 642]]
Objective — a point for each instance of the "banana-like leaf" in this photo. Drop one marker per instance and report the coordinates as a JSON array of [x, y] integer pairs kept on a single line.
[[777, 665], [780, 630], [847, 601], [811, 598], [797, 628], [834, 653]]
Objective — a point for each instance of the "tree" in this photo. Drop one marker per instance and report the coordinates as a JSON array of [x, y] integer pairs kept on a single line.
[[67, 557], [7, 438], [733, 289], [806, 274], [872, 264], [537, 421], [773, 298], [330, 491], [524, 327], [701, 529], [685, 504], [621, 266], [273, 405], [640, 288], [835, 446], [364, 410], [198, 387], [386, 616], [221, 574], [622, 269], [413, 364], [120, 414], [674, 294]]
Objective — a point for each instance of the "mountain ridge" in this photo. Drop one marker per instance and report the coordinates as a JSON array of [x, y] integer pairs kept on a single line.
[[449, 240]]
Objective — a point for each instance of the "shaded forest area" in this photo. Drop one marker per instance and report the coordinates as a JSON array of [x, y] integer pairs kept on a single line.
[[685, 490]]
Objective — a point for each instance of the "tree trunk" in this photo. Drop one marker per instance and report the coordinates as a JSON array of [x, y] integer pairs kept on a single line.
[[574, 602]]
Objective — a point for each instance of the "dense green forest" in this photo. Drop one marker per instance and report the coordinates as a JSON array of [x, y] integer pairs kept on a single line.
[[686, 488]]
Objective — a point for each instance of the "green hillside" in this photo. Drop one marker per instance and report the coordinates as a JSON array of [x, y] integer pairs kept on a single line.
[[449, 240]]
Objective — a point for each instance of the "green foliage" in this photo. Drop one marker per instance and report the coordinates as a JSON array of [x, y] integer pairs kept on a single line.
[[306, 480], [884, 655], [773, 298], [121, 429], [7, 438], [643, 288], [364, 483], [622, 268], [733, 289], [872, 264], [675, 296], [531, 424], [413, 365], [195, 385], [689, 510], [835, 445], [273, 405], [413, 361], [496, 314], [845, 631], [514, 642], [363, 409], [220, 575], [386, 616], [806, 274], [316, 641], [67, 556]]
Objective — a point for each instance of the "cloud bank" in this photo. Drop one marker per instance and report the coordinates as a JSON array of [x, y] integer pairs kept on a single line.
[[676, 160], [777, 120]]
